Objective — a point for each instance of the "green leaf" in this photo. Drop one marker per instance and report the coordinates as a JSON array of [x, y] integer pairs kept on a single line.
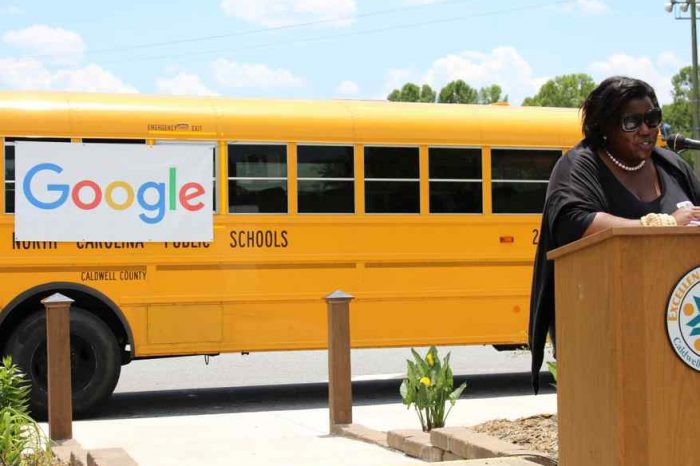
[[457, 393], [411, 370], [405, 393], [553, 369], [422, 366], [446, 361]]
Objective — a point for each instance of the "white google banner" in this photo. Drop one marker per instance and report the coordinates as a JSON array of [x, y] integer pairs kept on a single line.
[[113, 192]]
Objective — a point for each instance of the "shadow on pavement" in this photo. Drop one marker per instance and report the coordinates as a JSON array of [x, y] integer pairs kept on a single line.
[[299, 396]]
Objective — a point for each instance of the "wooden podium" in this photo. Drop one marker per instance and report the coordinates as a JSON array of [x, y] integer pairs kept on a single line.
[[625, 397]]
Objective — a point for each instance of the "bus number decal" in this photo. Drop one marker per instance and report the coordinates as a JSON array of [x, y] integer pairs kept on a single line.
[[258, 239], [535, 236]]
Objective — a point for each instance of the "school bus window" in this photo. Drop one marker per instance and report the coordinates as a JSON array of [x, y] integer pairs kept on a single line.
[[325, 179], [455, 180], [392, 180], [9, 178], [257, 178], [519, 179]]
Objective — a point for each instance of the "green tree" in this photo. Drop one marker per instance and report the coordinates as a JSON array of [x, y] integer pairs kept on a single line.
[[394, 96], [458, 92], [427, 94], [568, 90], [410, 92], [455, 92], [678, 113], [491, 94]]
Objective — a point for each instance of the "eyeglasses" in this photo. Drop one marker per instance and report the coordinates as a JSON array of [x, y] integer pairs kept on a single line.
[[632, 121]]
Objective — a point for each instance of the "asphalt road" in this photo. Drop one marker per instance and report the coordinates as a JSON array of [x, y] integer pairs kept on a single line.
[[297, 380]]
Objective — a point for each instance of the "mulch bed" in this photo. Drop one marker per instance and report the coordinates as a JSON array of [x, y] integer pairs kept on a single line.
[[534, 432]]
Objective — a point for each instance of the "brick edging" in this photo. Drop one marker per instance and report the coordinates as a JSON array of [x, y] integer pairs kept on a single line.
[[444, 444], [73, 454]]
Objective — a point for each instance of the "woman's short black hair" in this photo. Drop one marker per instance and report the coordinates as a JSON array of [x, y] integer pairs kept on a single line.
[[602, 108]]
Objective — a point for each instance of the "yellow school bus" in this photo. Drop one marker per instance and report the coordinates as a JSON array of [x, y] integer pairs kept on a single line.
[[427, 214]]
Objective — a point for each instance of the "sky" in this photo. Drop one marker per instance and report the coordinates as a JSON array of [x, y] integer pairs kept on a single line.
[[333, 49]]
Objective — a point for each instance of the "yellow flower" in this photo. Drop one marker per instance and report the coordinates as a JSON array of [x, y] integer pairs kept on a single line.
[[425, 381], [430, 359]]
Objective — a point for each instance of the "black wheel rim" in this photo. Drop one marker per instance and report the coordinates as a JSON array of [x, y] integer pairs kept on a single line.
[[83, 364]]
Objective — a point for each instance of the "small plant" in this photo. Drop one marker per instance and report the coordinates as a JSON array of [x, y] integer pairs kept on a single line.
[[14, 389], [22, 442], [428, 387]]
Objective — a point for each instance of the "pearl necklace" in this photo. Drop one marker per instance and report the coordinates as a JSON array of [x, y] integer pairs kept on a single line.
[[622, 165]]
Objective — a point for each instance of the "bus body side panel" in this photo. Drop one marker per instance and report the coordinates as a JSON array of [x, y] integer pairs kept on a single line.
[[260, 285]]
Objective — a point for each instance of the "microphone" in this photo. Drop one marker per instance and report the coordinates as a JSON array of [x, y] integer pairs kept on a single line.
[[678, 142]]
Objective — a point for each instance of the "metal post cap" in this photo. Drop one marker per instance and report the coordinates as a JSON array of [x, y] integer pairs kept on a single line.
[[57, 298], [338, 295]]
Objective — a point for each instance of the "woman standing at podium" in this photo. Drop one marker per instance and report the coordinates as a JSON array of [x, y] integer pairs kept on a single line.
[[614, 177]]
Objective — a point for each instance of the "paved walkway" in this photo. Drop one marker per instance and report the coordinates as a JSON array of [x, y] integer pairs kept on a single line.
[[285, 437]]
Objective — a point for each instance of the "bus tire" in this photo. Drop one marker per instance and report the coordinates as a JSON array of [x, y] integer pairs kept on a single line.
[[95, 360]]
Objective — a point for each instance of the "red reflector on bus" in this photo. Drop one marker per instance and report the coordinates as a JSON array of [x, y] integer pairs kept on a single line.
[[507, 239]]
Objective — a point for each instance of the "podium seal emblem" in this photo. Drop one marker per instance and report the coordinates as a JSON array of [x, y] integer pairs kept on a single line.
[[683, 318]]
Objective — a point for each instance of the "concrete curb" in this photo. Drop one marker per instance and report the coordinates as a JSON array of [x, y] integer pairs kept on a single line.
[[73, 454], [456, 445]]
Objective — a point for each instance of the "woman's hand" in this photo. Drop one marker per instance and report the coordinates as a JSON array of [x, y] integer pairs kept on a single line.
[[685, 215]]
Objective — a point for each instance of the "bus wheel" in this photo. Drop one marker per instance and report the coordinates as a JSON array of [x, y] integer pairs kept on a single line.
[[95, 362]]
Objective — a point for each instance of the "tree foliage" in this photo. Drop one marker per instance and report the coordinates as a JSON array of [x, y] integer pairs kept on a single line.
[[455, 92], [678, 114], [458, 92], [568, 90], [410, 92], [491, 95], [427, 94]]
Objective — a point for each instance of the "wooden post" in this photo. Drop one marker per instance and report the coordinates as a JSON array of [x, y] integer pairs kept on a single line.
[[339, 385], [59, 368]]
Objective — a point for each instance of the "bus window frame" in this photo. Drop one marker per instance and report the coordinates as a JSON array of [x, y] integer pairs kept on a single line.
[[353, 179], [523, 181], [398, 180], [288, 149], [5, 182], [481, 180]]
